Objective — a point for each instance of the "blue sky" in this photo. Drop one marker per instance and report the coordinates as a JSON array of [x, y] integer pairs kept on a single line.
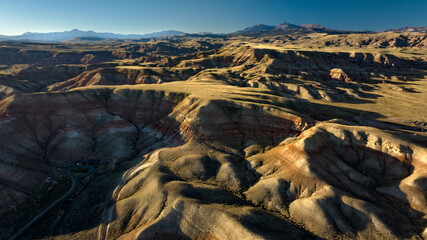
[[140, 16]]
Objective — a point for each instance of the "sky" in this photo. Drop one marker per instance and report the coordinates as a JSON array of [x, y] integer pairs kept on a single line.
[[218, 16]]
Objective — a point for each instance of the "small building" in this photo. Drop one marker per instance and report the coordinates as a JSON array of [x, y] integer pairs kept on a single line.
[[91, 162]]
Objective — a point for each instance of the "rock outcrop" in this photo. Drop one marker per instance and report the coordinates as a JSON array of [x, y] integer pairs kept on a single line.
[[340, 75]]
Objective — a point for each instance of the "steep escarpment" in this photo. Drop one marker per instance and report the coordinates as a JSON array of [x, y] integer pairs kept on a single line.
[[11, 56], [395, 40], [360, 182], [159, 48], [355, 179], [124, 75], [117, 125], [388, 39], [59, 129], [15, 56]]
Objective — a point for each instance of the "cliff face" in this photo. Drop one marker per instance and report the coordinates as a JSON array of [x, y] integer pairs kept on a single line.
[[213, 139], [337, 181], [10, 55], [355, 179], [395, 40], [124, 75], [61, 128]]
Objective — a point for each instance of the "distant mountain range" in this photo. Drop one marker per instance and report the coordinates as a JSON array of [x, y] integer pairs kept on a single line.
[[262, 29], [76, 35], [408, 29], [286, 27]]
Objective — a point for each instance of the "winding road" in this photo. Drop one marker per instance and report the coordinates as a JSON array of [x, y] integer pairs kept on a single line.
[[74, 180]]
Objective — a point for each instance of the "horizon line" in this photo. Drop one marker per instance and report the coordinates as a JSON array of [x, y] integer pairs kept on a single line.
[[95, 31]]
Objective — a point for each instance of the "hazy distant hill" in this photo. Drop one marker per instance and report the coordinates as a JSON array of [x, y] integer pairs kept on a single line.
[[286, 28], [92, 39], [75, 33], [262, 28], [162, 34], [257, 28], [313, 26], [408, 29]]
